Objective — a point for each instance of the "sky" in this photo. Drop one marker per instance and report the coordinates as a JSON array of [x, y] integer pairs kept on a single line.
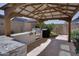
[[2, 4], [54, 22], [46, 22], [1, 11]]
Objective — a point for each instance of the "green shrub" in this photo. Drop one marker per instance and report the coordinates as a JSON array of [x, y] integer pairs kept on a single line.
[[53, 34], [43, 26], [75, 35], [49, 27]]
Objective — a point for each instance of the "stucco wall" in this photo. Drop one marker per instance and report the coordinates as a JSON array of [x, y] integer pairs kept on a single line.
[[27, 27], [18, 27], [1, 26], [63, 28]]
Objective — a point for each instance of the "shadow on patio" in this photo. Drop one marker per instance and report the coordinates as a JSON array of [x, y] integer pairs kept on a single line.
[[54, 47]]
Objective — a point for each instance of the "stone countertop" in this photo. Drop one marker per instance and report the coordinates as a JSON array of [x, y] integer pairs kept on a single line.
[[7, 45], [2, 38], [23, 33]]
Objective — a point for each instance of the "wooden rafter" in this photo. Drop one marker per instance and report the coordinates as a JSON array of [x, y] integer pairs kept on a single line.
[[21, 10], [42, 14], [35, 9], [39, 11], [60, 10], [65, 4], [48, 12], [25, 9], [48, 8], [51, 8]]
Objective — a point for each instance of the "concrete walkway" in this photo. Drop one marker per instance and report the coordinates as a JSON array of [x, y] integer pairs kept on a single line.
[[57, 47], [62, 37]]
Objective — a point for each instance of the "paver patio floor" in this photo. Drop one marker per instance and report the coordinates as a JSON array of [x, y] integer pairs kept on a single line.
[[57, 47]]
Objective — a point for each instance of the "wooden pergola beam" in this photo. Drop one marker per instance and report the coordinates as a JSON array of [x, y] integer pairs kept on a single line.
[[61, 18]]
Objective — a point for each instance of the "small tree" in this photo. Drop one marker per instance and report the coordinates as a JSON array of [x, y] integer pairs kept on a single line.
[[41, 25], [50, 26]]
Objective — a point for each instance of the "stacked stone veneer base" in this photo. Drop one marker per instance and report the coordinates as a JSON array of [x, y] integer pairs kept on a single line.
[[8, 47]]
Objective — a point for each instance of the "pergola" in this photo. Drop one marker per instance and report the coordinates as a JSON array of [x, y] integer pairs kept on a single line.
[[40, 12]]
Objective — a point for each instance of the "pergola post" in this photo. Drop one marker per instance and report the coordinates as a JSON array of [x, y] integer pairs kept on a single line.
[[7, 22], [69, 31]]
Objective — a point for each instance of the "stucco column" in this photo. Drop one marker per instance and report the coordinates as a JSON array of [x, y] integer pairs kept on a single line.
[[7, 22]]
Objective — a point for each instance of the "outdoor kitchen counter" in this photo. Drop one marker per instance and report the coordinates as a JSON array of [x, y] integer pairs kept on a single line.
[[22, 33], [9, 47], [25, 37]]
